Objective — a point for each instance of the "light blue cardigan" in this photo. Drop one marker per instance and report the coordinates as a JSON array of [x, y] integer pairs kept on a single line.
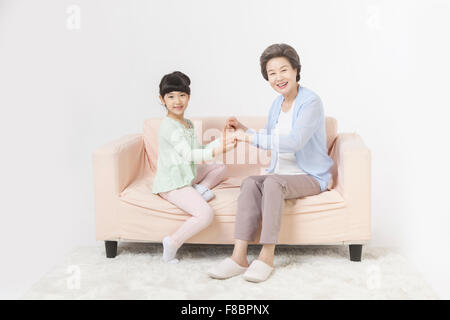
[[307, 139]]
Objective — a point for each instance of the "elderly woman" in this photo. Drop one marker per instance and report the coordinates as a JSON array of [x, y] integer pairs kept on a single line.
[[295, 133]]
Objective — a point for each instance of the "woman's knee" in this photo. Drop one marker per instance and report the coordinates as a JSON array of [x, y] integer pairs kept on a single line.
[[248, 183], [272, 184]]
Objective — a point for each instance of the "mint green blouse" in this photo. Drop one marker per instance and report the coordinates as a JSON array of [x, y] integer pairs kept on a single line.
[[179, 152]]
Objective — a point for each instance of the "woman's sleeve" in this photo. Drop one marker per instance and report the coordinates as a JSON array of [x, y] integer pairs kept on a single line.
[[304, 127], [181, 145], [266, 131]]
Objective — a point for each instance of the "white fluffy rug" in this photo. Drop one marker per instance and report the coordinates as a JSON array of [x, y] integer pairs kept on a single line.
[[301, 272]]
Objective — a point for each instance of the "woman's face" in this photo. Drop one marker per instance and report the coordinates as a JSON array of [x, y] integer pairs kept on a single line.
[[281, 75], [176, 102]]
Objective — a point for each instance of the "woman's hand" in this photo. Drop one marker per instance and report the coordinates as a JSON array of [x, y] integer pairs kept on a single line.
[[234, 124]]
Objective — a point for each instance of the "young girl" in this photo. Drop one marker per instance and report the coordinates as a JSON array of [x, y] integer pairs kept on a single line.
[[181, 178]]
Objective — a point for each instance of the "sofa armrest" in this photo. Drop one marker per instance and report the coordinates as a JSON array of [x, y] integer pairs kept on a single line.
[[115, 166], [352, 170], [119, 162], [353, 164]]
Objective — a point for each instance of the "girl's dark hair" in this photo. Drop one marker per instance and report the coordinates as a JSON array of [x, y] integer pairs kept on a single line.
[[280, 50], [175, 81]]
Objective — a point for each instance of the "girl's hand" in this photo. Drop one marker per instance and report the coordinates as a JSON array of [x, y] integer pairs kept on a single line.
[[234, 124], [228, 142], [240, 135]]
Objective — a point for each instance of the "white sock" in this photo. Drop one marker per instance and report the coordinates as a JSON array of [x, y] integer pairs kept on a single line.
[[169, 251], [206, 193], [200, 188]]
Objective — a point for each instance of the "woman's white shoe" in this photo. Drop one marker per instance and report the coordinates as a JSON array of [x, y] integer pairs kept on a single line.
[[258, 271], [226, 269]]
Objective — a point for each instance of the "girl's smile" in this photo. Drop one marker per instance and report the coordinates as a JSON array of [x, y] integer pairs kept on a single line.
[[176, 103]]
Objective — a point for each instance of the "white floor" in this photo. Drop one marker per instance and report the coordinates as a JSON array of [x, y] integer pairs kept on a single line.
[[301, 272]]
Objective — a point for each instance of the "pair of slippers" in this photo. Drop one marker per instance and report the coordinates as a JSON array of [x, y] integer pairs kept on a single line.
[[258, 271]]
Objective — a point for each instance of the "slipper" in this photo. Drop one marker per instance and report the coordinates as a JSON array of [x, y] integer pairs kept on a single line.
[[226, 269], [258, 271]]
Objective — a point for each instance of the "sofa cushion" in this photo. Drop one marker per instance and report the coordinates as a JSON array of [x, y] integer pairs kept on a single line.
[[225, 203]]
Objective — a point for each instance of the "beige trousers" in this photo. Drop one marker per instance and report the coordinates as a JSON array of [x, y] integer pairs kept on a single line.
[[261, 199]]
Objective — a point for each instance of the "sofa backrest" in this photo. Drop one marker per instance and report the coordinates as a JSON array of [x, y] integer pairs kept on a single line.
[[244, 160]]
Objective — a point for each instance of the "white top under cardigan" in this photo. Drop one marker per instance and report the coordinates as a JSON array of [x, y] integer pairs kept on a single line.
[[307, 139], [286, 163]]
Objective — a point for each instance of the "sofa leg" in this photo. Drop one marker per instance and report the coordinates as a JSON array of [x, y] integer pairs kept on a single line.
[[111, 249], [355, 252]]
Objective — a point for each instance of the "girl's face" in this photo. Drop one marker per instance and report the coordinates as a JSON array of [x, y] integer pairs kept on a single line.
[[176, 102], [281, 75]]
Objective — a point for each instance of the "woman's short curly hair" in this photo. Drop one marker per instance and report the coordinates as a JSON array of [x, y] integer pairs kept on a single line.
[[280, 50]]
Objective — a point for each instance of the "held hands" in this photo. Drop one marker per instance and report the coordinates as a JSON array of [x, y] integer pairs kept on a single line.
[[228, 142], [233, 124], [238, 130], [233, 132], [240, 135]]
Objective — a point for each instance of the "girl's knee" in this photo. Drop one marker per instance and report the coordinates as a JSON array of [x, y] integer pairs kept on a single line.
[[222, 169], [207, 216]]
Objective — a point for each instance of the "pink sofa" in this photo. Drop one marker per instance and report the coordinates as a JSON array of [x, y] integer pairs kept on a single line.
[[126, 209]]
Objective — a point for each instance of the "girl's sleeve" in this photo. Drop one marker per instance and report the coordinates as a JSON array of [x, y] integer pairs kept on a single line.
[[304, 127], [181, 145], [213, 144]]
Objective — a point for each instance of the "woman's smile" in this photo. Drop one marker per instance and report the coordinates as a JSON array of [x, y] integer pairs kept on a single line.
[[282, 85], [281, 76]]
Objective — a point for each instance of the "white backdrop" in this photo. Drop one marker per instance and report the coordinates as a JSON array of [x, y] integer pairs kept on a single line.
[[77, 74]]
